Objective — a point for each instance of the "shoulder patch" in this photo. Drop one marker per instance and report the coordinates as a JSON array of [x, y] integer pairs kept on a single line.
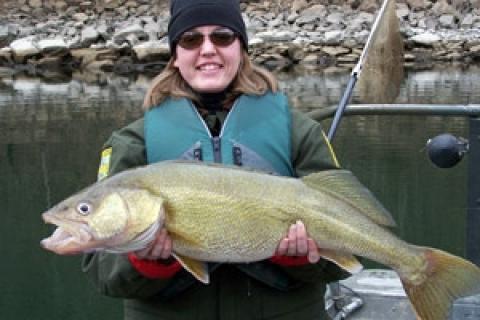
[[104, 164]]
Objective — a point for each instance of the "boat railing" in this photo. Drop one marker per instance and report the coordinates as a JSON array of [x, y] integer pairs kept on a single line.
[[468, 110]]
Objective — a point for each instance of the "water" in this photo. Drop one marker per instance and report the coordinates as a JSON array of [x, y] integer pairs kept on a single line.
[[51, 135]]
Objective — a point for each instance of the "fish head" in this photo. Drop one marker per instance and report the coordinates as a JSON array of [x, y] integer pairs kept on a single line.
[[101, 219]]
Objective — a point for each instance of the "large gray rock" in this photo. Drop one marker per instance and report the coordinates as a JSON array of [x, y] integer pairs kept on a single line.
[[336, 18], [334, 37], [53, 47], [335, 51], [24, 48], [7, 34], [426, 38], [276, 36], [152, 50], [35, 3], [369, 6], [361, 21], [61, 5], [315, 12], [155, 29], [132, 35], [447, 21], [416, 4], [89, 35], [467, 21], [442, 7], [93, 58], [402, 11], [299, 5], [6, 56], [110, 4], [80, 17]]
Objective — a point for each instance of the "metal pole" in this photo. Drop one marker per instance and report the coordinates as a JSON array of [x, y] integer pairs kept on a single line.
[[459, 110], [341, 107], [473, 212]]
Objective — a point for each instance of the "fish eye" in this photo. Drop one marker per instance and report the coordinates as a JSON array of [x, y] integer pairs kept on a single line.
[[84, 208]]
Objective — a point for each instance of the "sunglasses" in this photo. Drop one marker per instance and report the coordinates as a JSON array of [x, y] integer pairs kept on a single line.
[[193, 39]]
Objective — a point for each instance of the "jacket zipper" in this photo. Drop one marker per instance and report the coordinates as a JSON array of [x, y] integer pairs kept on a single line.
[[216, 141], [217, 150]]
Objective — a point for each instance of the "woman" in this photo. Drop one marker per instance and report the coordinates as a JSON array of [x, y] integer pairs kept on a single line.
[[212, 104]]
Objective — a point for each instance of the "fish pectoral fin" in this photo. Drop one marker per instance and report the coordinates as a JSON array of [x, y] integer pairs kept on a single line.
[[344, 185], [198, 269], [344, 260]]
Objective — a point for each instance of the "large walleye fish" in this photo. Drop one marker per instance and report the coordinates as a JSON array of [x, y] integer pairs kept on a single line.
[[227, 214]]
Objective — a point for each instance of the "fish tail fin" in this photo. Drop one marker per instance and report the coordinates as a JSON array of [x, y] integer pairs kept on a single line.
[[446, 278]]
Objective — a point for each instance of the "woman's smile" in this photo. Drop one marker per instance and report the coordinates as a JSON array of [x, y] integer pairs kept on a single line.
[[209, 69], [209, 66]]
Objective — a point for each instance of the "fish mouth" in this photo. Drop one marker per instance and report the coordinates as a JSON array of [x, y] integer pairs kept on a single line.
[[70, 237]]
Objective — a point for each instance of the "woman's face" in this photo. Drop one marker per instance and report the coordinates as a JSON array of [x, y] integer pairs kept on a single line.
[[209, 67]]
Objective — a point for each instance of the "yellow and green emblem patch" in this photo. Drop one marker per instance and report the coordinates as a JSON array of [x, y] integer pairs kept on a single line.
[[104, 164]]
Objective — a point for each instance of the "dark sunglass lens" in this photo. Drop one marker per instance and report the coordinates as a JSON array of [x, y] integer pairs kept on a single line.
[[222, 38], [190, 40]]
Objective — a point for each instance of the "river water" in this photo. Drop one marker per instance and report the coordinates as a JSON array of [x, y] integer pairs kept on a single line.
[[51, 133]]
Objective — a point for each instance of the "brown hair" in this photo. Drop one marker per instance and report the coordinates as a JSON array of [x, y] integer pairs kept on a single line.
[[250, 79]]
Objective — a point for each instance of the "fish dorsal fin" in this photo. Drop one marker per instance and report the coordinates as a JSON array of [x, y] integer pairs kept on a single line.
[[343, 184], [344, 260], [198, 269]]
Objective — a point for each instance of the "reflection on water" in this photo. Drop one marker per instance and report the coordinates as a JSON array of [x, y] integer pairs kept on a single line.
[[445, 86], [51, 134]]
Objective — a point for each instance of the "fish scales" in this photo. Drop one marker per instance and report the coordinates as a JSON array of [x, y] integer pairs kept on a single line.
[[251, 203]]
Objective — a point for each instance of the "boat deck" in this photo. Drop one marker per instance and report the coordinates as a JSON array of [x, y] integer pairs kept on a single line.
[[384, 298]]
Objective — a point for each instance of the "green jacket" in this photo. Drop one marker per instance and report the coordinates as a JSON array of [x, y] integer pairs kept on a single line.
[[263, 144], [231, 294]]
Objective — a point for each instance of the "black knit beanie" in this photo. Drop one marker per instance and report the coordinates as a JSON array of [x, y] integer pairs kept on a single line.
[[188, 14]]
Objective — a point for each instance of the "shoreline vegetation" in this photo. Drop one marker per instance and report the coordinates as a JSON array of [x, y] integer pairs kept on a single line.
[[50, 37]]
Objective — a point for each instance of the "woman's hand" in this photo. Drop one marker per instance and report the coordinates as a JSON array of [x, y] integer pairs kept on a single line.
[[298, 243], [159, 248]]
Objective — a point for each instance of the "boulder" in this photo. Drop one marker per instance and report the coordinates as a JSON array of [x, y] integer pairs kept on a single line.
[[442, 7], [416, 4], [24, 48], [276, 35], [88, 36], [152, 50], [335, 51], [35, 3], [53, 47], [426, 39], [132, 34], [447, 21], [334, 37], [6, 56], [369, 6], [93, 56], [7, 34]]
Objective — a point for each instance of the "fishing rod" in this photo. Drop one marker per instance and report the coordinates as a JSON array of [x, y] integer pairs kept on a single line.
[[357, 70]]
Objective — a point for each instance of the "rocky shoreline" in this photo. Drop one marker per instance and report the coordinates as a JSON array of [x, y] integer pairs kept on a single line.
[[129, 36]]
